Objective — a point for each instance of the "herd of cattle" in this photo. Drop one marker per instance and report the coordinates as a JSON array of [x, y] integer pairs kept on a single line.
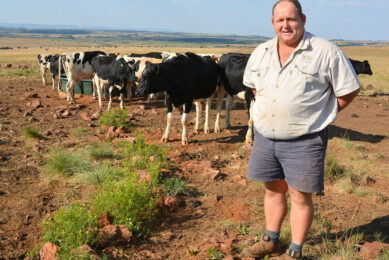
[[184, 77]]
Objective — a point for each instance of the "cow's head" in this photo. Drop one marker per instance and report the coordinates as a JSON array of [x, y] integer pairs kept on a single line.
[[44, 61], [133, 67], [367, 67], [150, 82]]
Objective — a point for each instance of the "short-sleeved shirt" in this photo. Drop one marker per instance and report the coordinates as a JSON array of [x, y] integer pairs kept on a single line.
[[300, 97]]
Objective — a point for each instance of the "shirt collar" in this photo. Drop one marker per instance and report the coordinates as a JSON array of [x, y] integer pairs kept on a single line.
[[304, 43]]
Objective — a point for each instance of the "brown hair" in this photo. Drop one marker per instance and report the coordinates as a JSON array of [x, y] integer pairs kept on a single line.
[[296, 3]]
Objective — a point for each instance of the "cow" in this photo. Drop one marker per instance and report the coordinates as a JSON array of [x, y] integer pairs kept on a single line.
[[138, 74], [77, 66], [185, 78], [54, 70], [44, 66], [113, 72], [155, 55], [361, 67], [231, 77]]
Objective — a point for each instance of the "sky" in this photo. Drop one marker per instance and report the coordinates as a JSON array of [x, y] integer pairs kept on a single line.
[[330, 19]]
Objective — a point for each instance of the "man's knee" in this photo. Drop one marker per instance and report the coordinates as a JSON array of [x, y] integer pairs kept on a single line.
[[299, 197], [276, 188]]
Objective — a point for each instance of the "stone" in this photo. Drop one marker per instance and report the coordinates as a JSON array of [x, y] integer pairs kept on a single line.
[[85, 250], [122, 130], [106, 219], [95, 115], [371, 250], [370, 87], [111, 132], [216, 174], [36, 103], [48, 251], [117, 235], [31, 95], [144, 175], [66, 113], [28, 113], [354, 116], [85, 116], [172, 202], [368, 181], [130, 139]]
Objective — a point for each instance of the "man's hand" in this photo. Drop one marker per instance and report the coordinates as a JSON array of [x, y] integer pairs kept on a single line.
[[343, 101]]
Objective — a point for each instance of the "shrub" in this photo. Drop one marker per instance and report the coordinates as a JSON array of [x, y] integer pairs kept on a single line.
[[114, 117], [131, 204], [67, 163], [100, 151], [70, 227], [32, 132], [214, 253], [101, 174]]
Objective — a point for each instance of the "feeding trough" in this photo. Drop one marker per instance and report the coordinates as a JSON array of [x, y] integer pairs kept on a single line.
[[84, 88]]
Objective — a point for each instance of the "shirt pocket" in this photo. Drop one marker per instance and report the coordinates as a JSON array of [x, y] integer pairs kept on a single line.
[[259, 77], [307, 78]]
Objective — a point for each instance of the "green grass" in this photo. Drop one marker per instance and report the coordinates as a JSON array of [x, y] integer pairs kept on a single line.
[[13, 73], [32, 132], [115, 117], [100, 174], [71, 227], [100, 151], [80, 132], [175, 187], [333, 170], [214, 253], [66, 163]]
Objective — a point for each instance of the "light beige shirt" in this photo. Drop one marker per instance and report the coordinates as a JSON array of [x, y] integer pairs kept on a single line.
[[300, 97]]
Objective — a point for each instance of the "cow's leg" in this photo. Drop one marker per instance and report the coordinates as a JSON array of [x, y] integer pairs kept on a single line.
[[69, 91], [129, 91], [53, 77], [94, 87], [98, 88], [199, 108], [219, 103], [59, 83], [121, 90], [110, 89], [184, 122], [43, 76], [169, 120], [228, 109], [208, 104]]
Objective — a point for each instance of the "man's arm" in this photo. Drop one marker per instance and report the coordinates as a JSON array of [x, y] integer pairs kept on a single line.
[[343, 101]]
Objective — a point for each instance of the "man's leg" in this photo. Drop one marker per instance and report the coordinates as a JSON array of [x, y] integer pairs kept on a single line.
[[301, 217], [275, 204]]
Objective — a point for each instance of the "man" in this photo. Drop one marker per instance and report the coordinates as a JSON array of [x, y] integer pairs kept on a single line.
[[300, 82]]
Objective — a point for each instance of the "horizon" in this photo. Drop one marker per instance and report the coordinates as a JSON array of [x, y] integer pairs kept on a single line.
[[350, 20]]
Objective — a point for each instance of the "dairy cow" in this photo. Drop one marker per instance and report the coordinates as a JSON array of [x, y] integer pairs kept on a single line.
[[55, 71], [77, 66], [185, 78], [113, 72], [44, 65], [232, 69]]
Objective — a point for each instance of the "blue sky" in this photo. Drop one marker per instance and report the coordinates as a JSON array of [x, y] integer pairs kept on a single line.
[[330, 19]]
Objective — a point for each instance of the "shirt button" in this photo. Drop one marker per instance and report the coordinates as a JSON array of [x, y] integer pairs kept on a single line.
[[273, 115], [274, 100], [273, 130], [276, 86]]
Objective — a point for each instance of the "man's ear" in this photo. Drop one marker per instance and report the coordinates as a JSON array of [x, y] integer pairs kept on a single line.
[[304, 18]]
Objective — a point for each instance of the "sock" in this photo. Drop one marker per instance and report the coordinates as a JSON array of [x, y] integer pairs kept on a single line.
[[274, 236], [295, 247]]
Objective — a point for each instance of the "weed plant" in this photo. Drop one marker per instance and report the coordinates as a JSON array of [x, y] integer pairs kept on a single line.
[[32, 132], [131, 204], [333, 170], [71, 227], [214, 253], [115, 117], [100, 151], [66, 163], [80, 132], [175, 187], [100, 174]]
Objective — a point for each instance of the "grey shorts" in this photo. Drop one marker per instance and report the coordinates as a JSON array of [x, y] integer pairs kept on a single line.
[[299, 161]]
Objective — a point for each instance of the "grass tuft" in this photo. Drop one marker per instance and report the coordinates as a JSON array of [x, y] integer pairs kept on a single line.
[[115, 117], [333, 170], [214, 253], [100, 151], [66, 163], [32, 132], [175, 187]]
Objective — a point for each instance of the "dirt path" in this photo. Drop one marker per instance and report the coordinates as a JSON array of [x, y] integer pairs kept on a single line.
[[227, 210]]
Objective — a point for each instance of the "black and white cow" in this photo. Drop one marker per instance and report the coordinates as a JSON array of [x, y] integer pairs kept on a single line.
[[185, 78], [113, 72], [232, 69], [77, 66], [155, 55], [361, 67], [44, 65], [55, 71]]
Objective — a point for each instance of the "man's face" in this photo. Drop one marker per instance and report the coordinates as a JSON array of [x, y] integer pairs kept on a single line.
[[288, 24]]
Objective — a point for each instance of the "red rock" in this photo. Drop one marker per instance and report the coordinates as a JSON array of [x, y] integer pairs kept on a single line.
[[85, 116], [229, 257], [216, 157], [93, 139], [91, 125], [31, 95], [28, 113], [106, 219], [235, 156], [95, 116], [121, 130], [114, 236], [368, 181], [48, 251], [172, 202], [37, 148], [36, 103], [66, 113], [243, 182], [144, 175], [152, 158], [142, 107], [371, 250], [211, 200], [56, 116], [85, 250], [130, 139], [215, 174], [155, 112], [148, 253], [111, 132]]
